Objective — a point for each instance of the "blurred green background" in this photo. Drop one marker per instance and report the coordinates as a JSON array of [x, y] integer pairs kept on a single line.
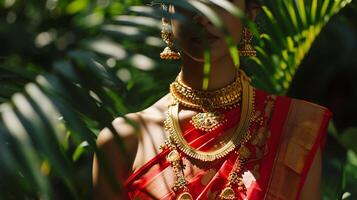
[[90, 43]]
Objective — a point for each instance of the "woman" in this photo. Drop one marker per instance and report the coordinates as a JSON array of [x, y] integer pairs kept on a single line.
[[230, 141]]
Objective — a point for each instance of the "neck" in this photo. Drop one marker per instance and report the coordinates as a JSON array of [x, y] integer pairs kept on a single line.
[[222, 73]]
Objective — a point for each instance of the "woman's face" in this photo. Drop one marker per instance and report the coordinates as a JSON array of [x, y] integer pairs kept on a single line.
[[192, 44]]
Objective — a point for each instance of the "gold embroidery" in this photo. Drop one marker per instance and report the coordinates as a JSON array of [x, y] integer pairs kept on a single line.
[[259, 140], [244, 152], [299, 145], [260, 137]]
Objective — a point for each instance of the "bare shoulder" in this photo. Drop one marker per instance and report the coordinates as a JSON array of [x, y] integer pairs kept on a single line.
[[131, 130], [120, 144], [124, 128]]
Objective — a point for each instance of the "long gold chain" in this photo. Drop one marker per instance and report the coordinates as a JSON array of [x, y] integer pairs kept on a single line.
[[176, 137]]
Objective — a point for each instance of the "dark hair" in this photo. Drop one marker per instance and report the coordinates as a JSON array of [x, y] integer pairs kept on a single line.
[[253, 3]]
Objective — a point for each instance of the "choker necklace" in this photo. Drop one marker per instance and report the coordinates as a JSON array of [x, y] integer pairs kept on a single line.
[[177, 144], [207, 102]]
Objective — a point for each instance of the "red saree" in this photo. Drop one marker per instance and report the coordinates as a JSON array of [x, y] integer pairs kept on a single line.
[[285, 138]]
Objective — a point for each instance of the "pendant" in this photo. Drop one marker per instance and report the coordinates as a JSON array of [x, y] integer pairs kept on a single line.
[[173, 156], [228, 193], [208, 121], [185, 196]]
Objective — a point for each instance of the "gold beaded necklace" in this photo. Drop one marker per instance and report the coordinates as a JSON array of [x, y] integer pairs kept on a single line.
[[207, 102], [176, 142]]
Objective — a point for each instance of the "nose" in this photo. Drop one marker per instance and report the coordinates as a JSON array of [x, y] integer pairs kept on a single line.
[[200, 19]]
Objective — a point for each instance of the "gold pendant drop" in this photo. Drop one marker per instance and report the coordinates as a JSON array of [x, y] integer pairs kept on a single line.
[[208, 121], [180, 185], [185, 196], [235, 178], [228, 193]]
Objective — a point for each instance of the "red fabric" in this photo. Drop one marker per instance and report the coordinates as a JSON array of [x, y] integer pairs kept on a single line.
[[319, 143], [203, 188]]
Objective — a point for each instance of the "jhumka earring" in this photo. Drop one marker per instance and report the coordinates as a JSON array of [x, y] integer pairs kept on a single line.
[[167, 36], [245, 47]]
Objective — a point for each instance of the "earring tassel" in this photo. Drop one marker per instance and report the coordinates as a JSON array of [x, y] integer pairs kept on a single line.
[[168, 54]]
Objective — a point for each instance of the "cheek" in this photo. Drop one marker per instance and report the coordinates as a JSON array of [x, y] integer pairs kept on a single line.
[[181, 33], [181, 36], [234, 24], [235, 28]]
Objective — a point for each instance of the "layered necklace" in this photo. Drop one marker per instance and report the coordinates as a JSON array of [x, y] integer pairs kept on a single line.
[[179, 147], [207, 102]]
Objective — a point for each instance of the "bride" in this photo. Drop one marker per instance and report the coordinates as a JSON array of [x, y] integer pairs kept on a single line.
[[226, 141]]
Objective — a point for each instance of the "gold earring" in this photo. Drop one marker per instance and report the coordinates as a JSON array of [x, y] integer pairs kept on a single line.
[[167, 35], [245, 47]]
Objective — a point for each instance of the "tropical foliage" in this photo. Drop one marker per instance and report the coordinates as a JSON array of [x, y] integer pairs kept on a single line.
[[68, 68]]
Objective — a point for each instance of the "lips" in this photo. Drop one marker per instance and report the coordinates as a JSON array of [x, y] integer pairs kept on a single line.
[[208, 33], [209, 37]]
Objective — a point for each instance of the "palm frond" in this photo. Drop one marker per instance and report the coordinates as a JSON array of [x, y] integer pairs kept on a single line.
[[292, 27]]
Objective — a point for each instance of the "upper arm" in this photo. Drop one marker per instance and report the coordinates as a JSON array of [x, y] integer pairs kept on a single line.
[[117, 167], [311, 188]]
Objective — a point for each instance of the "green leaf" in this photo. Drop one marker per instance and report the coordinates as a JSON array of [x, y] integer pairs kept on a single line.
[[348, 138], [81, 148]]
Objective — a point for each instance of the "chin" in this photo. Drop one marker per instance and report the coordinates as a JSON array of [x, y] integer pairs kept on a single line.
[[194, 56], [198, 56]]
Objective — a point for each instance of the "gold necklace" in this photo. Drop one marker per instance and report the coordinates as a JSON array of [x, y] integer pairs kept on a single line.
[[176, 137], [176, 141], [225, 97], [207, 102]]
